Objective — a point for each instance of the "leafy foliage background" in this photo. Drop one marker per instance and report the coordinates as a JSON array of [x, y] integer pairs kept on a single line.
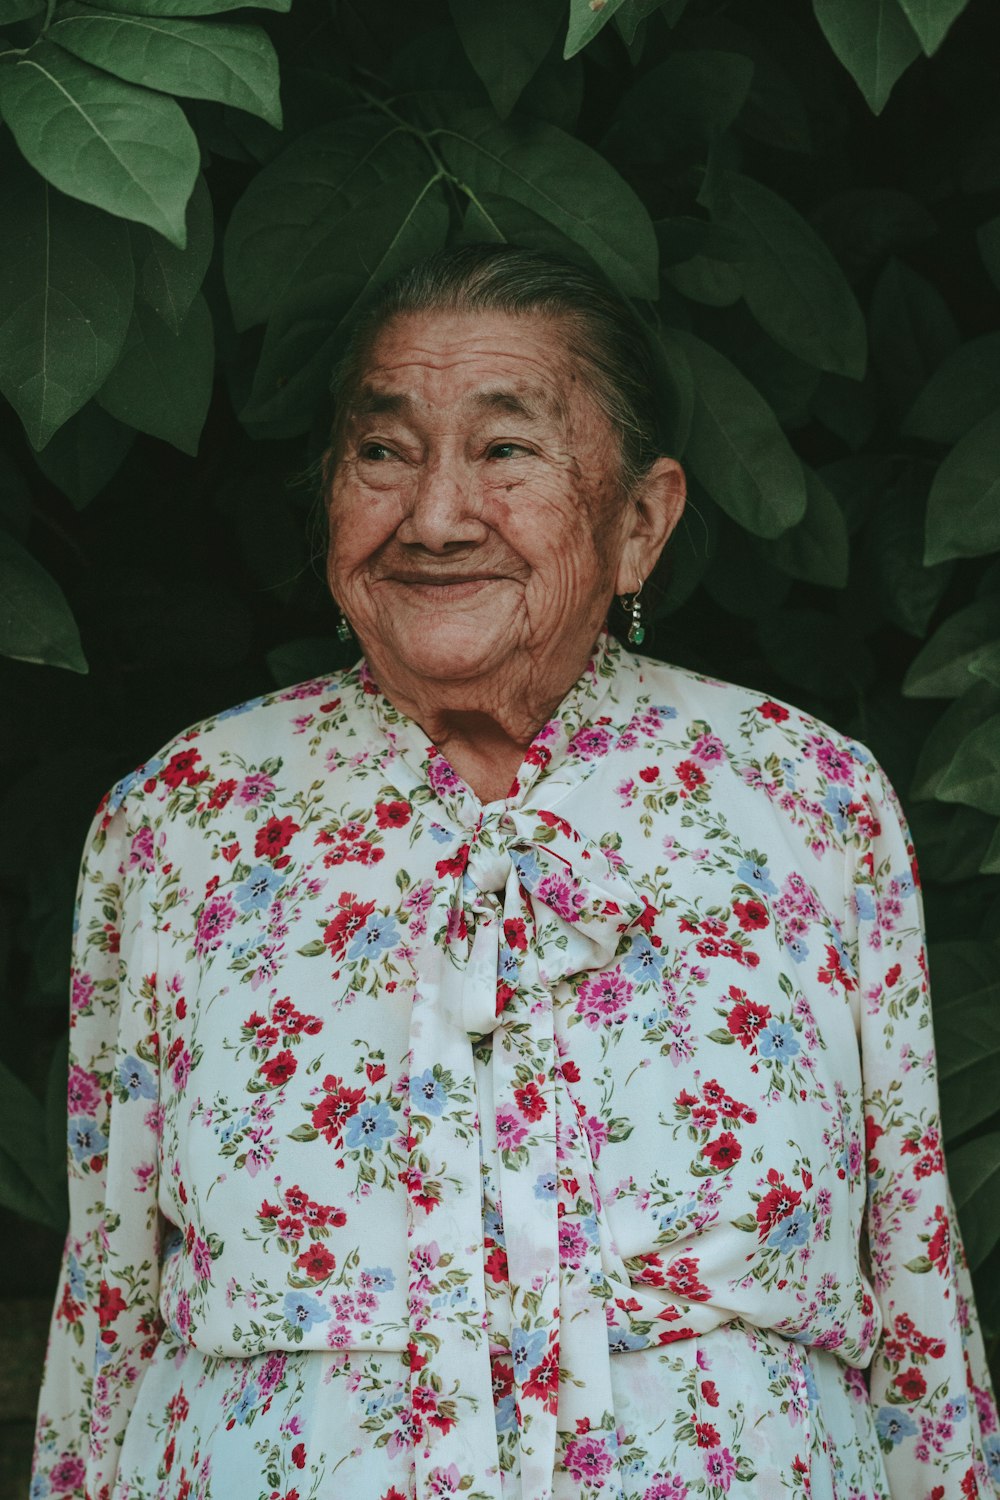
[[802, 201]]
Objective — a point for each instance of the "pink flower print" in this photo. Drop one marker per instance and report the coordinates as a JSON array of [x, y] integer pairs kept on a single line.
[[573, 1244], [181, 1070], [590, 742], [217, 916], [253, 789], [511, 1129], [201, 1259], [83, 1095], [425, 1257], [272, 1374], [597, 1134], [68, 1475], [587, 1459], [835, 764], [442, 777], [604, 999], [708, 748], [626, 792], [670, 1487], [82, 991], [561, 897], [182, 1315], [445, 1481], [141, 852], [720, 1466]]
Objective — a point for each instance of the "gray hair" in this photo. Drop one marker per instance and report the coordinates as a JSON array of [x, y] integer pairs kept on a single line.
[[600, 330]]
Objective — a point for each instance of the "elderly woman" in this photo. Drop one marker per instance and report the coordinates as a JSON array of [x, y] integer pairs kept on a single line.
[[505, 1068]]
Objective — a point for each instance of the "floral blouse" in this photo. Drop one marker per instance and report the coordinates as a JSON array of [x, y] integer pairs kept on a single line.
[[581, 1144]]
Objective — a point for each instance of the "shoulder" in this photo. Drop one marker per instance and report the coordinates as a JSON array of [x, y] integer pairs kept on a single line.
[[252, 737]]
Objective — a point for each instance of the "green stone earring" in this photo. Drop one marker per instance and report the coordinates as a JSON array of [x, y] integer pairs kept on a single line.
[[343, 629], [636, 629]]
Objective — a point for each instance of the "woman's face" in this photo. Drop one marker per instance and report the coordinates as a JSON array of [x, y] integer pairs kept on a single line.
[[475, 514]]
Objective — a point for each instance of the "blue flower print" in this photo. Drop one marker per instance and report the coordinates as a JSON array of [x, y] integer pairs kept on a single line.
[[643, 963], [258, 890], [991, 1453], [621, 1341], [508, 968], [76, 1278], [40, 1487], [957, 1409], [792, 1233], [893, 1425], [545, 1185], [757, 875], [528, 870], [246, 1403], [240, 708], [428, 1093], [791, 770], [371, 1126], [378, 1279], [378, 934], [136, 1079], [798, 950], [778, 1040], [302, 1311], [84, 1138], [505, 1414], [837, 802], [440, 835], [864, 905], [905, 884], [493, 1226], [121, 789], [527, 1348]]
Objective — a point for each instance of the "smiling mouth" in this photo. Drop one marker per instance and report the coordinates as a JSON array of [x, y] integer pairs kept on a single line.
[[463, 584]]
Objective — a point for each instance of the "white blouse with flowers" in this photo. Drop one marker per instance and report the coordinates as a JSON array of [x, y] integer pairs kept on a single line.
[[582, 1144]]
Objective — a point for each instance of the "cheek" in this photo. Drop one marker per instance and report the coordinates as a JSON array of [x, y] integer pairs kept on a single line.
[[359, 521]]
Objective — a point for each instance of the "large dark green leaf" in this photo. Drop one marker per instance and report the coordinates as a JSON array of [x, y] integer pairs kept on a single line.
[[35, 621], [163, 382], [287, 229], [863, 225], [874, 41], [963, 509], [909, 591], [968, 1052], [398, 224], [506, 42], [973, 777], [85, 454], [27, 1184], [119, 147], [235, 65], [563, 181], [912, 331], [941, 668], [169, 279], [791, 282], [931, 19], [988, 239], [189, 7], [687, 100], [736, 448], [816, 653], [974, 1176], [960, 393], [817, 549], [978, 703], [701, 260], [585, 21], [65, 302]]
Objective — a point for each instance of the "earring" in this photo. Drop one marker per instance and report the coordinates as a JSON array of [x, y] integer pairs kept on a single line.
[[343, 629], [636, 629]]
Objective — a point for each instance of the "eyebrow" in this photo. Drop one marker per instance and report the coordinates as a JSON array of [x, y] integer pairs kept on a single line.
[[529, 404]]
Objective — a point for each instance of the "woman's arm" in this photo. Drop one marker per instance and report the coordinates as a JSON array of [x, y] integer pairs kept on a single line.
[[104, 1326]]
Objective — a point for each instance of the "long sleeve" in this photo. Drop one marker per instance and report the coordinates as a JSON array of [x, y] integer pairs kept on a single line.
[[104, 1325], [930, 1390]]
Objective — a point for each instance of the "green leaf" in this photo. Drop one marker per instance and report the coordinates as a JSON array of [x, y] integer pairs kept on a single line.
[[85, 454], [677, 398], [506, 42], [737, 449], [169, 279], [586, 18], [19, 10], [189, 7], [864, 225], [893, 550], [952, 840], [986, 663], [960, 393], [977, 704], [990, 862], [26, 1183], [701, 260], [968, 1053], [963, 508], [912, 331], [235, 65], [817, 653], [988, 240], [850, 409], [401, 223], [874, 41], [688, 100], [791, 282], [116, 146], [287, 229], [16, 506], [563, 181], [35, 621], [633, 12], [931, 19], [163, 382], [973, 777], [65, 302], [974, 1177], [816, 549], [941, 668]]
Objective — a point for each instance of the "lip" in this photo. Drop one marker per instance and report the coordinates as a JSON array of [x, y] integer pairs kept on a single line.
[[451, 588]]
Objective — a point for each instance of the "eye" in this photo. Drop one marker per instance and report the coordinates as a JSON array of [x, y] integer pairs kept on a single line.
[[505, 450], [375, 452]]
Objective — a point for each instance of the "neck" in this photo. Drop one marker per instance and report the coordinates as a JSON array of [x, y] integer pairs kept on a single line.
[[484, 725]]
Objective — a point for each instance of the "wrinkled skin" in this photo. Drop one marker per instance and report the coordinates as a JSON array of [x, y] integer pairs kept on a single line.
[[478, 531]]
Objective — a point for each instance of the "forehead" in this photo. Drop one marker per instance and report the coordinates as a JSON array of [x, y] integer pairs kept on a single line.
[[451, 362]]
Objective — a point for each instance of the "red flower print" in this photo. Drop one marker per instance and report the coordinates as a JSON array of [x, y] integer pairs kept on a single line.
[[110, 1303], [299, 1455], [910, 1384], [750, 914], [374, 1071], [317, 1262], [681, 1277], [776, 1204], [275, 835], [221, 793], [277, 1070], [392, 814], [514, 934], [495, 1264], [772, 711], [649, 773], [530, 1102], [353, 914], [707, 1435], [709, 1393], [503, 1378], [330, 1116], [722, 1153], [690, 775], [180, 768], [543, 1382], [456, 865], [746, 1021], [939, 1248], [569, 1070]]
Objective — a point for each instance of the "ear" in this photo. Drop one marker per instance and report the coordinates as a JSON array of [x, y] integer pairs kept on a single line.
[[655, 507]]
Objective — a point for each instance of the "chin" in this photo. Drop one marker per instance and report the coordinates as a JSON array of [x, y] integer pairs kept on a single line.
[[444, 650]]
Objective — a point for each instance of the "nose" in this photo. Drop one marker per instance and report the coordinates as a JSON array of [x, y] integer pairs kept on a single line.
[[444, 510]]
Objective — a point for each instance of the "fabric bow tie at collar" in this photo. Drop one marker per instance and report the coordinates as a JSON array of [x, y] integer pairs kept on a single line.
[[532, 904]]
